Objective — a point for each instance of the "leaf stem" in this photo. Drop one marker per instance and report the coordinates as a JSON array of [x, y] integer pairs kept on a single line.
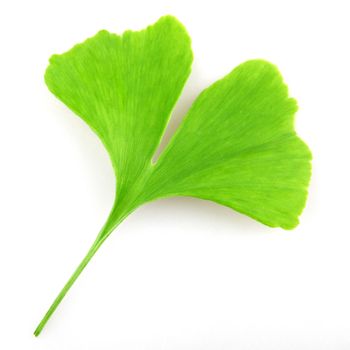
[[96, 245], [67, 286]]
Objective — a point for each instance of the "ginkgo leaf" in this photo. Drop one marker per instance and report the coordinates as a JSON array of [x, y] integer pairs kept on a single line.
[[236, 146]]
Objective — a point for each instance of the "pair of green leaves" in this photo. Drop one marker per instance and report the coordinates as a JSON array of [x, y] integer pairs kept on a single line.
[[236, 146]]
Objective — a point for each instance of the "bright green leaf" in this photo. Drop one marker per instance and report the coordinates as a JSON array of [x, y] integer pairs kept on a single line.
[[236, 146]]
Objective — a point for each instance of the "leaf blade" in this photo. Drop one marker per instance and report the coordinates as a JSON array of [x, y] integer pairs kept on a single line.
[[237, 146], [124, 88]]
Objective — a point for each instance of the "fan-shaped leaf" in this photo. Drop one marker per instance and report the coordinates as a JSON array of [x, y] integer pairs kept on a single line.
[[236, 146]]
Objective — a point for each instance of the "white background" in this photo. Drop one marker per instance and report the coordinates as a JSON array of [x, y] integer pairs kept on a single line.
[[178, 273]]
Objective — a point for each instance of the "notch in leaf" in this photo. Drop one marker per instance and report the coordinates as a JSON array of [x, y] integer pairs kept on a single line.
[[236, 146]]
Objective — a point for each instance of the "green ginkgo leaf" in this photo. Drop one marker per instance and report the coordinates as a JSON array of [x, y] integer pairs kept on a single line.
[[236, 146]]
